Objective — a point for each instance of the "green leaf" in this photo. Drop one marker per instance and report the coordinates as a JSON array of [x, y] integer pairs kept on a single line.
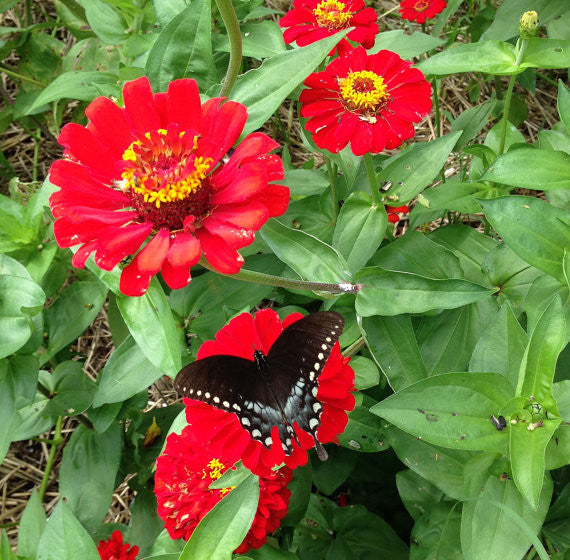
[[259, 40], [471, 121], [503, 268], [412, 171], [223, 529], [558, 448], [126, 373], [309, 257], [20, 299], [151, 324], [330, 474], [486, 531], [306, 182], [386, 292], [72, 390], [31, 526], [417, 494], [167, 10], [436, 534], [393, 345], [5, 549], [418, 254], [527, 451], [531, 168], [184, 49], [539, 361], [263, 89], [451, 195], [88, 470], [366, 373], [539, 296], [364, 431], [145, 525], [533, 229], [451, 410], [65, 538], [300, 487], [406, 46], [489, 57], [501, 347], [84, 86], [563, 104], [73, 311], [442, 467], [105, 21], [447, 340], [8, 414], [546, 53], [359, 230]]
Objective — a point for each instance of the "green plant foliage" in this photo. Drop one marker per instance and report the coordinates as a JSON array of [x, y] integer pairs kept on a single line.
[[447, 255]]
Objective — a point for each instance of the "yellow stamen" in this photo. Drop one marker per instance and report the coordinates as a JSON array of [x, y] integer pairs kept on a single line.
[[421, 5], [157, 188], [331, 14], [363, 90], [216, 470]]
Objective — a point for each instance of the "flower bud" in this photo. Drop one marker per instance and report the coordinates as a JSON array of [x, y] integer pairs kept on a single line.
[[528, 25]]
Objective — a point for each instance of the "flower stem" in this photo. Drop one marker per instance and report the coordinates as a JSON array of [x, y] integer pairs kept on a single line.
[[436, 106], [57, 439], [521, 45], [288, 283], [234, 34], [334, 195], [369, 164]]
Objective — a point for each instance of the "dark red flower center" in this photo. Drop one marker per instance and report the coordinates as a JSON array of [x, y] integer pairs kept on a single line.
[[165, 178], [363, 92], [421, 5], [332, 15]]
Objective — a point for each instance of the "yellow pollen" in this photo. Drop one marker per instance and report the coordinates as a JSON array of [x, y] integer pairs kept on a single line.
[[216, 467], [421, 5], [363, 90], [331, 15], [167, 188]]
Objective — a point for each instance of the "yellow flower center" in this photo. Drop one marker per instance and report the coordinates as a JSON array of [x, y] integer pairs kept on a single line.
[[421, 5], [363, 91], [331, 15], [216, 470], [162, 167]]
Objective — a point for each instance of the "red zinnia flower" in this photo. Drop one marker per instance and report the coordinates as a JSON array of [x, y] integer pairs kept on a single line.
[[159, 169], [393, 212], [420, 10], [312, 20], [183, 473], [114, 549], [223, 430], [370, 101]]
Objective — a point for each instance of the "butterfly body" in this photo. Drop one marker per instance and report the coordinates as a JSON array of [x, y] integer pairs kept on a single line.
[[278, 389]]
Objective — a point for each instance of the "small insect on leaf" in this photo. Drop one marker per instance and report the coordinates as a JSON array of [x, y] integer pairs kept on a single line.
[[500, 423]]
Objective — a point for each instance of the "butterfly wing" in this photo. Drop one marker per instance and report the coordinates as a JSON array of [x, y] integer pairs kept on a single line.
[[235, 385], [296, 360]]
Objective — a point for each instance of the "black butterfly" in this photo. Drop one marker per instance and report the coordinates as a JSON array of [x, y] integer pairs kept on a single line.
[[274, 390]]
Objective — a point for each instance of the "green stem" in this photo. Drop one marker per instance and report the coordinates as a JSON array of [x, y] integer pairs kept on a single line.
[[522, 45], [354, 347], [234, 34], [57, 439], [436, 105], [18, 76], [36, 156], [334, 195], [369, 164], [80, 417], [278, 282]]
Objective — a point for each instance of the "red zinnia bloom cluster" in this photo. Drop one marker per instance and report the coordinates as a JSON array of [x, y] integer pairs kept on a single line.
[[223, 431], [183, 473], [312, 20], [158, 169], [114, 549], [370, 101], [393, 212], [420, 10]]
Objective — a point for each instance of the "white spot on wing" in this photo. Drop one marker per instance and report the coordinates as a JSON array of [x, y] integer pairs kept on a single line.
[[313, 423], [226, 404], [314, 391], [256, 433], [217, 400], [245, 421], [268, 441]]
